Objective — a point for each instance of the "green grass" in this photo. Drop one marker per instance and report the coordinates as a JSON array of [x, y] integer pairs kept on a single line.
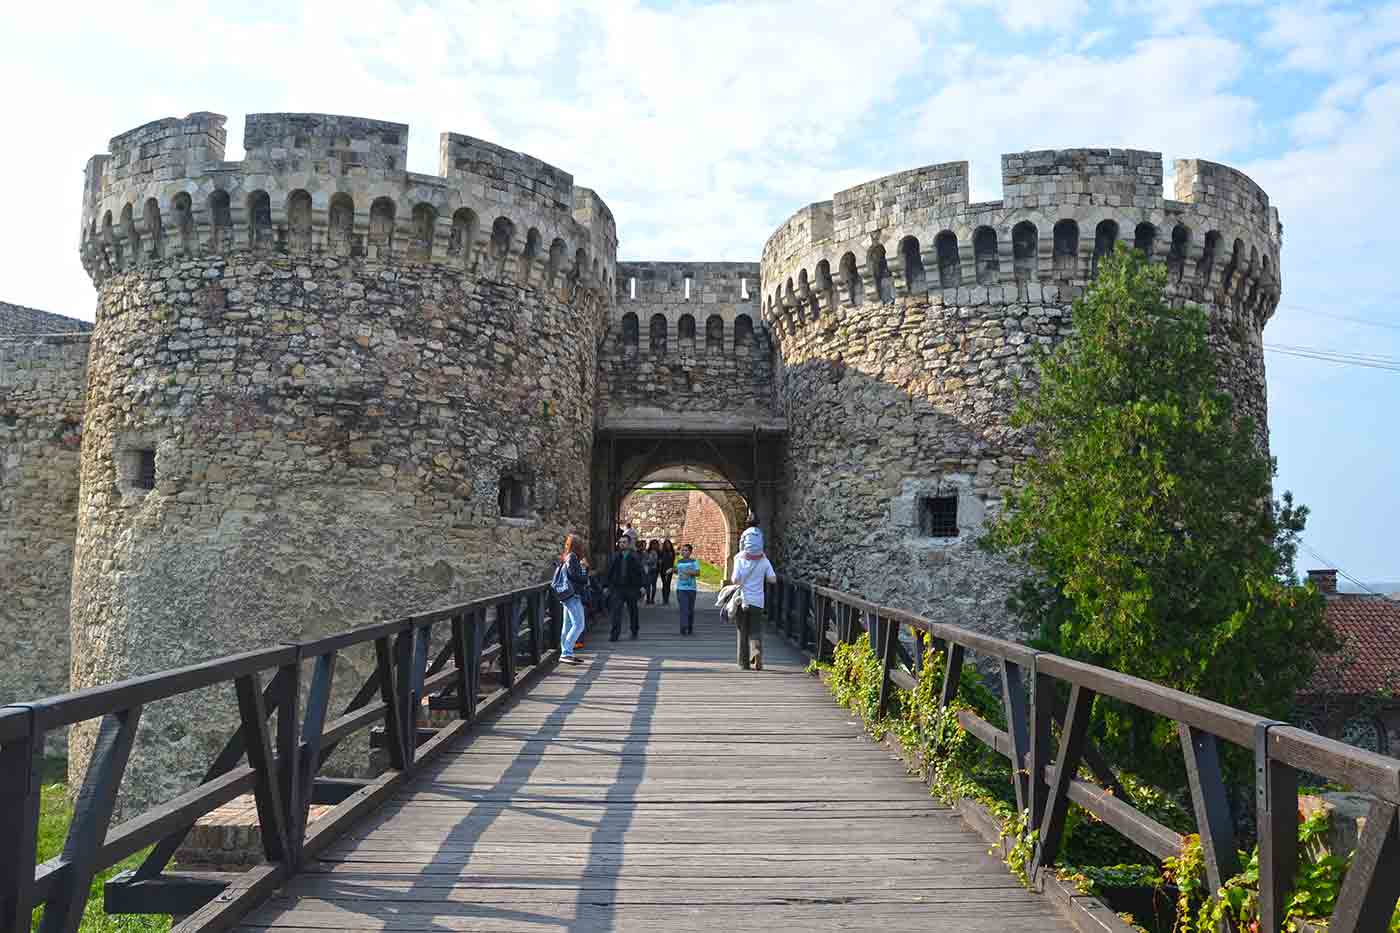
[[54, 816], [669, 487], [711, 574]]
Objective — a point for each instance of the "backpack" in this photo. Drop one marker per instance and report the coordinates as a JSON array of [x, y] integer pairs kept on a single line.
[[560, 584]]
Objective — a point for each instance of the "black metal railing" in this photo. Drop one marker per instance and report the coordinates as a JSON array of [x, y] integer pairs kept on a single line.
[[1044, 774], [280, 767]]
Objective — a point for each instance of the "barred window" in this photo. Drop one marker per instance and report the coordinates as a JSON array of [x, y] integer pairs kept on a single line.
[[938, 517]]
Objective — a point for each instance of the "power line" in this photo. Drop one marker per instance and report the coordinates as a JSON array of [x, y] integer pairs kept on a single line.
[[1366, 360], [1388, 325], [1304, 545]]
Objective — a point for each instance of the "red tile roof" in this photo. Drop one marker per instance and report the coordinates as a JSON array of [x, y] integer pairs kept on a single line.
[[1369, 661]]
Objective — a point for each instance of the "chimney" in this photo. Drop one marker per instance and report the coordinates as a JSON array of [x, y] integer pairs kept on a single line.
[[1325, 581]]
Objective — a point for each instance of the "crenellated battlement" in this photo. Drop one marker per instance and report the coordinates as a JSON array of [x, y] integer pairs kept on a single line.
[[688, 306], [917, 232], [339, 185]]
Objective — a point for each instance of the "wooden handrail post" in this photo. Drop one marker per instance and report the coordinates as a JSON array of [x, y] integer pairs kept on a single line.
[[1276, 796], [288, 686], [1013, 692], [460, 654], [318, 702], [1043, 700], [804, 605], [1212, 809], [405, 648], [536, 603], [19, 823], [1372, 885], [267, 788], [421, 637], [92, 814], [888, 637], [952, 675], [393, 722], [1081, 702], [505, 625], [476, 624]]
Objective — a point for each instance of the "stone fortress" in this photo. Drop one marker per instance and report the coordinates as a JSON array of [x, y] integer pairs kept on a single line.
[[322, 389]]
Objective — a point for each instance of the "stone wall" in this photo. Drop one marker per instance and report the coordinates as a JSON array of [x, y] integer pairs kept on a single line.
[[42, 381], [685, 516], [19, 321], [667, 351], [904, 317], [311, 415]]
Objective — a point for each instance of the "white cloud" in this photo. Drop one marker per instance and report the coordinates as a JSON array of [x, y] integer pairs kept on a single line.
[[1053, 15], [1169, 94]]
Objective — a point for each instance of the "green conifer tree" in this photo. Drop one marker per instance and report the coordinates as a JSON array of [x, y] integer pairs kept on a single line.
[[1147, 520]]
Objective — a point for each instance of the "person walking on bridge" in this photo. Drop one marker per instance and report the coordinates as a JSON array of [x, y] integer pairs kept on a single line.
[[666, 567], [687, 572], [750, 574], [573, 585], [651, 564], [625, 582]]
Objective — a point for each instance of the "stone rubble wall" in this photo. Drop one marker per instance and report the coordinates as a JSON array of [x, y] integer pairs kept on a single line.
[[901, 343], [42, 383], [666, 353], [332, 427]]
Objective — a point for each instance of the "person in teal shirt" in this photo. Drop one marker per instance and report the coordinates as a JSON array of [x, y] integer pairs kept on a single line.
[[687, 572]]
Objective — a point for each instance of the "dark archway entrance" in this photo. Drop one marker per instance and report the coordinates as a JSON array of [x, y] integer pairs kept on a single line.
[[735, 462]]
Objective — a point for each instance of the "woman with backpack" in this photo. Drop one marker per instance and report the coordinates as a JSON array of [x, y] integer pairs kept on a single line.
[[569, 583]]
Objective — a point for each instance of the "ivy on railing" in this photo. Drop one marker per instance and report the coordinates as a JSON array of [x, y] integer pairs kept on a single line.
[[1094, 857]]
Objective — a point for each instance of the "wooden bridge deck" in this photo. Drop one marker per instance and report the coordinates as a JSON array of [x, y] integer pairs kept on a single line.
[[658, 786]]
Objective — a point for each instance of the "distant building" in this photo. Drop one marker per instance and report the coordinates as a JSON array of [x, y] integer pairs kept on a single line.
[[1355, 694]]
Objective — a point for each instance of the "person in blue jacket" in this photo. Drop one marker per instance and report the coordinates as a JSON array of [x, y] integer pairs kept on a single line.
[[687, 573]]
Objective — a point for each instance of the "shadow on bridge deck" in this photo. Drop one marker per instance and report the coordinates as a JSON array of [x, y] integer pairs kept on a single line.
[[658, 786]]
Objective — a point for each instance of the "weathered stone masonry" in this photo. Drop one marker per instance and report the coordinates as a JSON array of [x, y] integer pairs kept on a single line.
[[354, 392], [42, 381], [686, 338], [903, 315]]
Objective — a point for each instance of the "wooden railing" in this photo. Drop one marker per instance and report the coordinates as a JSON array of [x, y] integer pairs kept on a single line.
[[280, 767], [1044, 774]]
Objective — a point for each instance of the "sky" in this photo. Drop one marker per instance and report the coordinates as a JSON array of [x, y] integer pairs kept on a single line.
[[704, 125]]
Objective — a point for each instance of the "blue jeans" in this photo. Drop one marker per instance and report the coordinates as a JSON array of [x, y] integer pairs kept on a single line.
[[686, 600], [573, 625]]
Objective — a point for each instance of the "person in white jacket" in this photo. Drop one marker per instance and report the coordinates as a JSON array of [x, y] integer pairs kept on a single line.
[[751, 574]]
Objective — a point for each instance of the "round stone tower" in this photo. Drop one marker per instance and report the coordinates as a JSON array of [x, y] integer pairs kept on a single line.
[[904, 316], [322, 390]]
